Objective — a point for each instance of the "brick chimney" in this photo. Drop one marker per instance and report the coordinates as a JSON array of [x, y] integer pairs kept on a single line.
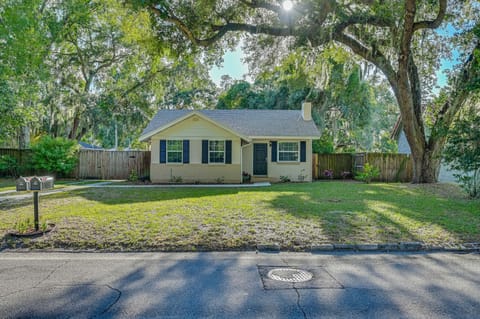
[[307, 111]]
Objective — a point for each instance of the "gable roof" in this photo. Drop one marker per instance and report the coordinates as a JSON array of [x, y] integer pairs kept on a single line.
[[249, 123], [397, 128], [89, 146]]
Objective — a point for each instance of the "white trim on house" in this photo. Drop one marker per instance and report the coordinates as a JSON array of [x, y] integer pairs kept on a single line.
[[297, 152], [187, 116], [174, 151], [224, 151]]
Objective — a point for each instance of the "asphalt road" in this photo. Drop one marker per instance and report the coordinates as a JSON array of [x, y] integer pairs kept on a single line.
[[229, 285]]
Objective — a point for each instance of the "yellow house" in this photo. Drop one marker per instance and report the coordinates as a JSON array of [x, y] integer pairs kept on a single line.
[[208, 146]]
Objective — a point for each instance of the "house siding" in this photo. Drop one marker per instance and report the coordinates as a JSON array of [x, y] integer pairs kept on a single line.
[[196, 129], [403, 147], [191, 173], [292, 170]]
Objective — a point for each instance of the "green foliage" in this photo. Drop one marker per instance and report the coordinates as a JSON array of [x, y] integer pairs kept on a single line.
[[77, 68], [386, 144], [133, 177], [462, 151], [27, 225], [324, 145], [43, 226], [9, 165], [332, 81], [284, 179], [368, 173], [23, 226], [55, 155], [26, 34], [176, 179]]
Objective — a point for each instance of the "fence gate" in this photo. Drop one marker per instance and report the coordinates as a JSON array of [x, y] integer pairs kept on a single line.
[[358, 161]]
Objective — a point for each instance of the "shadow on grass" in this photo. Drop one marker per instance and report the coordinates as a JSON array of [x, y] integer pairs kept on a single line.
[[341, 212], [114, 196], [382, 213]]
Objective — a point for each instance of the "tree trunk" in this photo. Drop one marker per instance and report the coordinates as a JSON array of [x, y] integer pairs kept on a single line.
[[24, 138], [76, 124], [426, 167]]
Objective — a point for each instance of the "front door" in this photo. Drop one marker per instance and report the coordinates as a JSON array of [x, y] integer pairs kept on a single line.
[[260, 159]]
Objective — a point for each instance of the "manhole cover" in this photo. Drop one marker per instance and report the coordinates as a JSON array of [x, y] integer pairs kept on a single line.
[[289, 275]]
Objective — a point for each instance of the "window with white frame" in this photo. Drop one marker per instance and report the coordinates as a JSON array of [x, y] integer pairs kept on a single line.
[[174, 151], [288, 151], [216, 151]]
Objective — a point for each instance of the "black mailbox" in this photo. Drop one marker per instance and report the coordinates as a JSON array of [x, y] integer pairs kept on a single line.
[[35, 184], [23, 184]]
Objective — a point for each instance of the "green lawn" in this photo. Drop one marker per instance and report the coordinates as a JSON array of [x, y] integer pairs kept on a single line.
[[7, 184], [293, 215]]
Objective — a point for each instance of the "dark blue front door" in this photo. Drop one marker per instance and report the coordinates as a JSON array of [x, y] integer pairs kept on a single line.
[[260, 159]]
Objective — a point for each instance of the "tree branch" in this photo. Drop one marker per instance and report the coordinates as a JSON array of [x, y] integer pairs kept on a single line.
[[433, 24], [363, 20], [406, 39], [142, 82], [220, 30], [461, 93], [374, 56], [257, 4], [170, 17], [416, 90]]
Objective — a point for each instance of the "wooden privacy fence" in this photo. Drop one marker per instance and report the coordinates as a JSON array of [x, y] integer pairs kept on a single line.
[[393, 167], [338, 163], [112, 164], [98, 164]]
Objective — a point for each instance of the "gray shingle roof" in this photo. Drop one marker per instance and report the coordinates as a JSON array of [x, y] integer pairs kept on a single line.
[[250, 123]]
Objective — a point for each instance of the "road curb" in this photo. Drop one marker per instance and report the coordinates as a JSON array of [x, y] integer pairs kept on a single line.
[[277, 248], [400, 246]]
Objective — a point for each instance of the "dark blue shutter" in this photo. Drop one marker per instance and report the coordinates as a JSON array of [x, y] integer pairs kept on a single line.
[[186, 151], [205, 151], [163, 151], [228, 152], [274, 151], [303, 151]]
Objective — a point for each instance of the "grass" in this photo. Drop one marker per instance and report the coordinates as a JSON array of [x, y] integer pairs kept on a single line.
[[293, 215], [7, 184]]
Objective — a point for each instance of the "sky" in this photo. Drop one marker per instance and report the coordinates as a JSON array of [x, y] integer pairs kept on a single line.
[[232, 65]]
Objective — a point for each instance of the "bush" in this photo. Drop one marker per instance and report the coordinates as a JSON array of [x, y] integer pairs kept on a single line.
[[55, 155], [369, 172], [324, 145], [284, 179], [9, 165], [462, 151], [133, 177]]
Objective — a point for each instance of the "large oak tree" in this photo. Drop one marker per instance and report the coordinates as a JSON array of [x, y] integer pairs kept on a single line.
[[398, 37]]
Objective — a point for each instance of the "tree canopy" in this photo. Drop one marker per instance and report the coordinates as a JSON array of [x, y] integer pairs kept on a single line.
[[397, 37], [79, 69]]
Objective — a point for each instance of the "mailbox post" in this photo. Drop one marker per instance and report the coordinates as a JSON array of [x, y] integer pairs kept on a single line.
[[35, 184]]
